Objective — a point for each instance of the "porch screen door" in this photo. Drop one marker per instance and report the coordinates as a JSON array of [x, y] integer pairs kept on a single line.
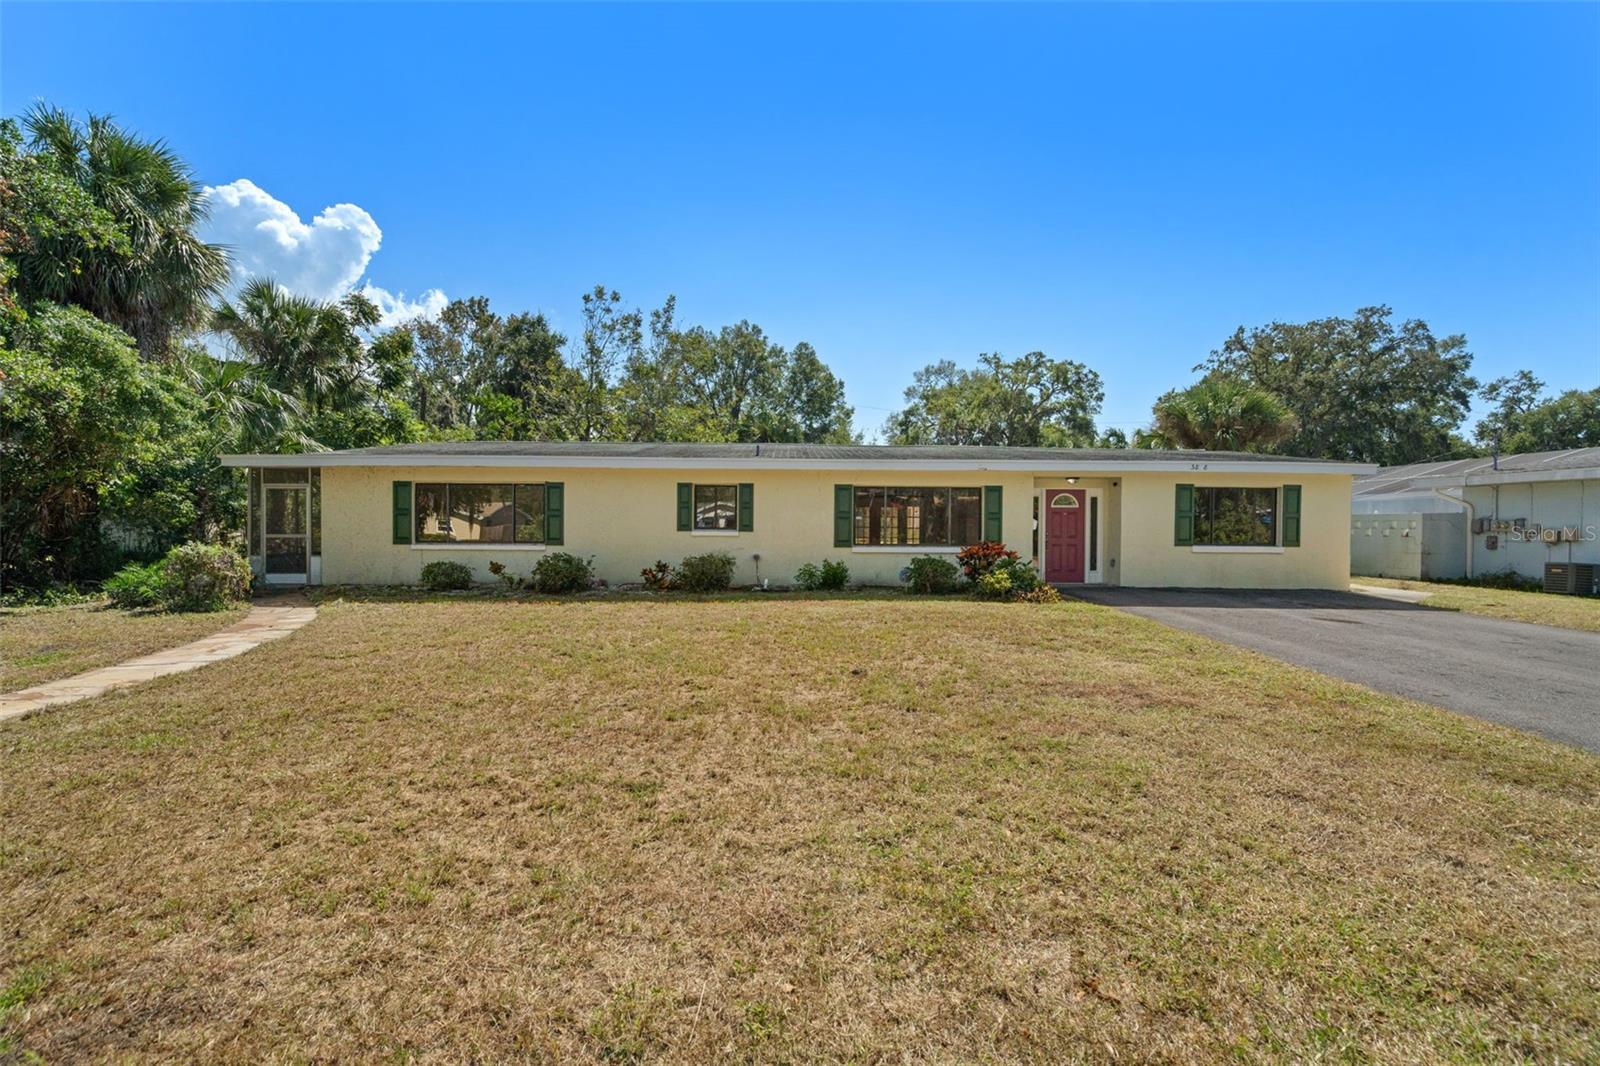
[[286, 534]]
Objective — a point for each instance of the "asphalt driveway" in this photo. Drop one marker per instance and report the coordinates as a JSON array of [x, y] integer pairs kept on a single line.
[[1538, 678]]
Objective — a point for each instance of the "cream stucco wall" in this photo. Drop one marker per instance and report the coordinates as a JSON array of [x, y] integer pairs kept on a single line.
[[627, 518], [1151, 560]]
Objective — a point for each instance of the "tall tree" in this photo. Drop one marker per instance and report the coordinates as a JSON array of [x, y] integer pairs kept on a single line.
[[731, 379], [813, 400], [612, 335], [158, 281], [307, 348], [650, 393], [1359, 388], [244, 411], [78, 407], [1223, 414], [50, 227], [730, 384], [451, 360], [1026, 402], [524, 359], [1524, 420]]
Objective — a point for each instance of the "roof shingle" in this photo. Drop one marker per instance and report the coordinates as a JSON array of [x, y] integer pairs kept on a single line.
[[812, 452]]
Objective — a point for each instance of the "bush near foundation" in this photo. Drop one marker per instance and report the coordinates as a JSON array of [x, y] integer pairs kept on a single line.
[[559, 573], [930, 575], [444, 576], [978, 559], [828, 576], [711, 572], [1013, 579]]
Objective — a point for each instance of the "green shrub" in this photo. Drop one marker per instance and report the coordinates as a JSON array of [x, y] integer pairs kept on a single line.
[[442, 575], [1013, 579], [1024, 578], [978, 559], [658, 577], [993, 585], [711, 572], [203, 577], [136, 585], [830, 576], [930, 575], [562, 572]]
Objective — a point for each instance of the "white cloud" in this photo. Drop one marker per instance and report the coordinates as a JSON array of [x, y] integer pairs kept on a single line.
[[324, 258], [396, 309]]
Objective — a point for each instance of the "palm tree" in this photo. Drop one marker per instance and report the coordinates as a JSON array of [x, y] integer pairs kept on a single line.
[[243, 410], [160, 282], [1223, 414], [300, 346]]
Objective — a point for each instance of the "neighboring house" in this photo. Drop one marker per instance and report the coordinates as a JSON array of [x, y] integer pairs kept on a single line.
[[1512, 513], [1129, 517]]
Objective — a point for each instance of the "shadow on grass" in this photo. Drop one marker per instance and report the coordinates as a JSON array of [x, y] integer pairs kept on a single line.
[[482, 594]]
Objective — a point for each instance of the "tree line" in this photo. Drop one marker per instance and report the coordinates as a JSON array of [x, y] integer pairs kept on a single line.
[[127, 366], [1363, 388]]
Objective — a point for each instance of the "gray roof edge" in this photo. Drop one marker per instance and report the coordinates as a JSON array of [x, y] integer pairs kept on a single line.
[[897, 452], [1565, 465], [794, 456]]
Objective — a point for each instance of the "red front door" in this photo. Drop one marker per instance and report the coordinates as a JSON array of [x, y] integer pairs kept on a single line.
[[1063, 535]]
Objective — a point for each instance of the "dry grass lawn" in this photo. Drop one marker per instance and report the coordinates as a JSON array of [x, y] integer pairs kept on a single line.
[[1542, 608], [39, 644], [787, 829]]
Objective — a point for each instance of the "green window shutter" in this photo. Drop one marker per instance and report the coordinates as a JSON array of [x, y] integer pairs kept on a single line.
[[555, 494], [685, 506], [402, 512], [1183, 522], [993, 511], [747, 507], [844, 515], [1291, 516]]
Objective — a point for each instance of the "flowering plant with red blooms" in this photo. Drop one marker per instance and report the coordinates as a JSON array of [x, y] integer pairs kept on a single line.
[[978, 559]]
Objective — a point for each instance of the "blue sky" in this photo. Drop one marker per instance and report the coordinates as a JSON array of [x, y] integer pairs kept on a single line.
[[1122, 185]]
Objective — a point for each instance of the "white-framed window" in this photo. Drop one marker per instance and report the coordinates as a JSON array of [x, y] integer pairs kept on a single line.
[[716, 507], [930, 517], [1235, 518], [472, 513]]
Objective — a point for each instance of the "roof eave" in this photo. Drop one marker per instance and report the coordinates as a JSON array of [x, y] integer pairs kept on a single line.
[[1510, 477], [577, 462]]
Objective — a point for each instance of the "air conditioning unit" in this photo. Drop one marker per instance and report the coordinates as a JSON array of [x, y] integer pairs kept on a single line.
[[1573, 579]]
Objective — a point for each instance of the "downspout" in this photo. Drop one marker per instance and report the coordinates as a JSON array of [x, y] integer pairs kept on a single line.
[[1471, 518]]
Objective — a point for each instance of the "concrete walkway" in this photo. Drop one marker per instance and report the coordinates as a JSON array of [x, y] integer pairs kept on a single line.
[[265, 622], [1398, 595]]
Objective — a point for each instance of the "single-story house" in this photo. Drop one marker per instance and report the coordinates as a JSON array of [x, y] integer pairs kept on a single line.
[[1507, 514], [1126, 516]]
